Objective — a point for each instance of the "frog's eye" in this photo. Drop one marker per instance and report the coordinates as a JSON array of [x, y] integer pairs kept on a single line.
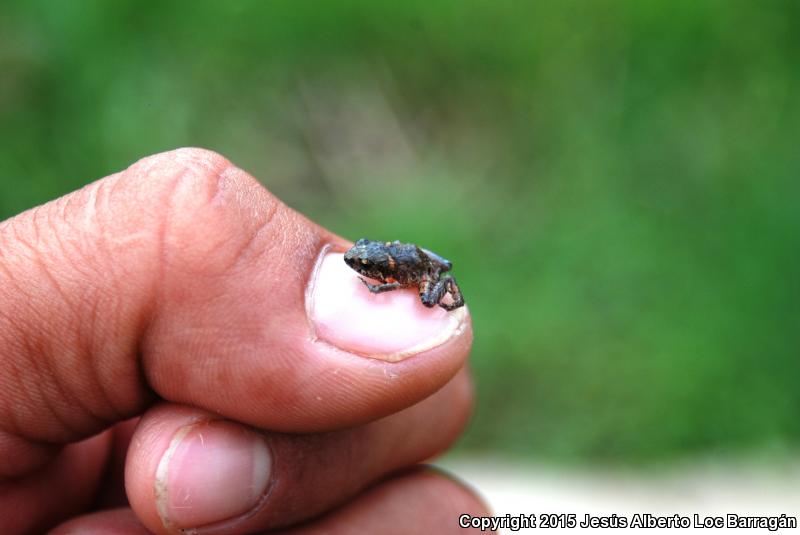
[[412, 277]]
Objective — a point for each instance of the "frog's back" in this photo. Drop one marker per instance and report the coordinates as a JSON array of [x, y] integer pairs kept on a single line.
[[407, 258], [410, 254]]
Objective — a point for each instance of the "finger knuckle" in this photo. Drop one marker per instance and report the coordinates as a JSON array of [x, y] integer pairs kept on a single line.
[[210, 211]]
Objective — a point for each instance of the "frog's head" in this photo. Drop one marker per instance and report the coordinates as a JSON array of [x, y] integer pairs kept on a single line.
[[369, 258]]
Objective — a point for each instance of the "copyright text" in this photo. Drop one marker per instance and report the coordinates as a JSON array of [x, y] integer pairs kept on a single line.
[[638, 520]]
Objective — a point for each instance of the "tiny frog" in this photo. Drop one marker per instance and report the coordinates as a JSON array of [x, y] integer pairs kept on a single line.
[[405, 265]]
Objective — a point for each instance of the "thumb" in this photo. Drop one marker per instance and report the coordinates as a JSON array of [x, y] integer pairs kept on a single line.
[[183, 278]]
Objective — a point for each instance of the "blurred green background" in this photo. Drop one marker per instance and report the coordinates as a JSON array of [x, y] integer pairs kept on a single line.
[[616, 182]]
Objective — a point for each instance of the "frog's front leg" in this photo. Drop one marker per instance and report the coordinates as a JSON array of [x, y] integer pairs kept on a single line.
[[432, 293], [380, 288]]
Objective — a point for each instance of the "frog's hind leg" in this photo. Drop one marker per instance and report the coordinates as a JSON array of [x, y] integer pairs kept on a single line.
[[432, 294], [454, 291], [380, 288], [428, 293]]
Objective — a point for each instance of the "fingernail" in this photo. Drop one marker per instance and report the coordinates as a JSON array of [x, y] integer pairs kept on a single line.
[[211, 472], [389, 326]]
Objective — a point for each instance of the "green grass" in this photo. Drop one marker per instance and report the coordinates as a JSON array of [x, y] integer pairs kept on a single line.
[[616, 182]]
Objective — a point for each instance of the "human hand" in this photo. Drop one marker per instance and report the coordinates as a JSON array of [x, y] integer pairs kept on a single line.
[[269, 388]]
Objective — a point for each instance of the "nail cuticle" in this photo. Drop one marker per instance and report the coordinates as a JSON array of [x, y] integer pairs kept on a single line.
[[311, 287], [162, 472]]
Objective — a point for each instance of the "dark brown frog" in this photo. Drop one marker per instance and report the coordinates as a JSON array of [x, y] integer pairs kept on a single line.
[[405, 265]]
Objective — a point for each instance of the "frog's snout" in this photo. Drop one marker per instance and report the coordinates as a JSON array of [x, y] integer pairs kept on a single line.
[[354, 256], [357, 254]]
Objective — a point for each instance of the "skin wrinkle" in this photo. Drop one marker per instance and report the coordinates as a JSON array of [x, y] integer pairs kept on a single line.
[[9, 422], [65, 395], [43, 269], [99, 191], [194, 168], [100, 240], [219, 188], [8, 319], [77, 326], [63, 205], [88, 322], [26, 247], [38, 387], [265, 223], [53, 229], [10, 278], [243, 256], [25, 392], [13, 345], [83, 354], [114, 182], [94, 355], [16, 237], [8, 419]]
